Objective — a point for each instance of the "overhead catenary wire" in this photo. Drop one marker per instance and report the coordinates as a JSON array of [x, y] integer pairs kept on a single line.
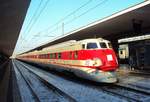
[[38, 15], [32, 18], [90, 9], [28, 25], [72, 13], [36, 18]]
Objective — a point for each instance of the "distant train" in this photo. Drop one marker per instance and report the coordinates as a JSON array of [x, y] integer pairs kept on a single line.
[[92, 59], [135, 52]]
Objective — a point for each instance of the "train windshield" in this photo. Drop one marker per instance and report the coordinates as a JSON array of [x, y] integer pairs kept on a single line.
[[103, 45], [92, 45]]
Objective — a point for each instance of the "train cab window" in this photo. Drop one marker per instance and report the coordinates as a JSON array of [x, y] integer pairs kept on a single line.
[[92, 45], [110, 45], [83, 46], [103, 45]]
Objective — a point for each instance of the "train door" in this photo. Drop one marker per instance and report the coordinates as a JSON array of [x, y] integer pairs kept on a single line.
[[133, 56], [139, 53], [140, 57]]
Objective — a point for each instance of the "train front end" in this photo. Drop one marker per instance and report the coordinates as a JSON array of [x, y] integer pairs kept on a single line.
[[101, 61]]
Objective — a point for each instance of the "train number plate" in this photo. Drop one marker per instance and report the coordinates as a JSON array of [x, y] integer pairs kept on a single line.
[[109, 57]]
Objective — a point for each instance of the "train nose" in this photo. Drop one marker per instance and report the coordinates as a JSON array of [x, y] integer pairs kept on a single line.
[[109, 61]]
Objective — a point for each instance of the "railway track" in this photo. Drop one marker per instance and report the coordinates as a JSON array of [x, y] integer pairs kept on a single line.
[[38, 86], [119, 92], [124, 92], [133, 87], [138, 81], [127, 93], [140, 73]]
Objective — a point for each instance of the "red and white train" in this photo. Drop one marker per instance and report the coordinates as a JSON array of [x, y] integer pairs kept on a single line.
[[93, 59]]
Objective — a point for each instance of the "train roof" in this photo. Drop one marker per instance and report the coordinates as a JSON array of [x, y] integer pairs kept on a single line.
[[66, 43], [93, 40]]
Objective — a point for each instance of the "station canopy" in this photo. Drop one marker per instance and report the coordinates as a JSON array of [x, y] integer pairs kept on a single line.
[[12, 14], [119, 25]]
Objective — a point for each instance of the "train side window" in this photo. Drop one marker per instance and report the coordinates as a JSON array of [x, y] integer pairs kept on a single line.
[[51, 56], [54, 55], [76, 55], [59, 55], [70, 55], [46, 56], [92, 45]]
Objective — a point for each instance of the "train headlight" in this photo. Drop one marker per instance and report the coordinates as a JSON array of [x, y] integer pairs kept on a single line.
[[97, 62], [88, 62]]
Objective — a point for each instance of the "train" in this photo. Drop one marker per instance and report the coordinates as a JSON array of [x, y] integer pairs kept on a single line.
[[93, 59], [135, 52]]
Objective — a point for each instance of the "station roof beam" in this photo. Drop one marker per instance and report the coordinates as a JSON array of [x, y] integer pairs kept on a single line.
[[12, 16], [125, 23]]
